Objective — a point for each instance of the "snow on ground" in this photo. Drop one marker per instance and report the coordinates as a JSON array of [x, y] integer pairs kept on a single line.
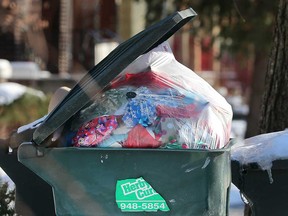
[[10, 92], [2, 173], [236, 206], [235, 198], [5, 178], [238, 129]]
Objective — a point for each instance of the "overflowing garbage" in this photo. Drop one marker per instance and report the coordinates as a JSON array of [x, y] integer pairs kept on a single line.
[[155, 102]]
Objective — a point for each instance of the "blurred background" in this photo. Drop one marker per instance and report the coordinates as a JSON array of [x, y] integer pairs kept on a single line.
[[45, 44]]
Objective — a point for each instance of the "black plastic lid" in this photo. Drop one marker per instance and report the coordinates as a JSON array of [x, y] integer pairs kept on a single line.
[[103, 73]]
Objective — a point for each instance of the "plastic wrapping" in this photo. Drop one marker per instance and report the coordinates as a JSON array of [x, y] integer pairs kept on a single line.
[[155, 102]]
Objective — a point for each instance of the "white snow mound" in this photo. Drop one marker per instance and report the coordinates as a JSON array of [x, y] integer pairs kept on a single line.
[[262, 149]]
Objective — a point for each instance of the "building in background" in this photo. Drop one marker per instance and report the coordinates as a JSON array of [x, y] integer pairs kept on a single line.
[[67, 37]]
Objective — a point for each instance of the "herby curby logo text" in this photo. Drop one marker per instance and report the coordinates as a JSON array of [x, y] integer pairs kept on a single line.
[[137, 195]]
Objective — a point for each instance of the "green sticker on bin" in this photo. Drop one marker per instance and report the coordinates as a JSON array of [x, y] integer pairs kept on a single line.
[[137, 195]]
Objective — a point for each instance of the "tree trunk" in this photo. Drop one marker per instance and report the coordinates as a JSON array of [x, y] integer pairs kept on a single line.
[[274, 108], [257, 90], [274, 115]]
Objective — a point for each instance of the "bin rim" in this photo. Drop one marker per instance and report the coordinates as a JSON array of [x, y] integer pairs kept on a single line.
[[31, 150], [96, 79]]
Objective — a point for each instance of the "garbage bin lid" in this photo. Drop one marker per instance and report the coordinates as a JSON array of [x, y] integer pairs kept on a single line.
[[105, 71]]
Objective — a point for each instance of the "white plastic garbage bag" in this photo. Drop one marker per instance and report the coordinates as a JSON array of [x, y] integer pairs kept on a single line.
[[156, 102]]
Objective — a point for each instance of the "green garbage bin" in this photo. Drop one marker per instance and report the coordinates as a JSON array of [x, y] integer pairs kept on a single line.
[[108, 181], [192, 182]]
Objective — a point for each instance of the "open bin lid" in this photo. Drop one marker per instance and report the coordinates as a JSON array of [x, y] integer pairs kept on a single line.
[[103, 73]]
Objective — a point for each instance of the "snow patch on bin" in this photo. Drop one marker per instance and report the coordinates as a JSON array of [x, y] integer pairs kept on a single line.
[[262, 150]]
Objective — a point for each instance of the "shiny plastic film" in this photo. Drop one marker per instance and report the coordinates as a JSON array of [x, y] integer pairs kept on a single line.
[[155, 102]]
